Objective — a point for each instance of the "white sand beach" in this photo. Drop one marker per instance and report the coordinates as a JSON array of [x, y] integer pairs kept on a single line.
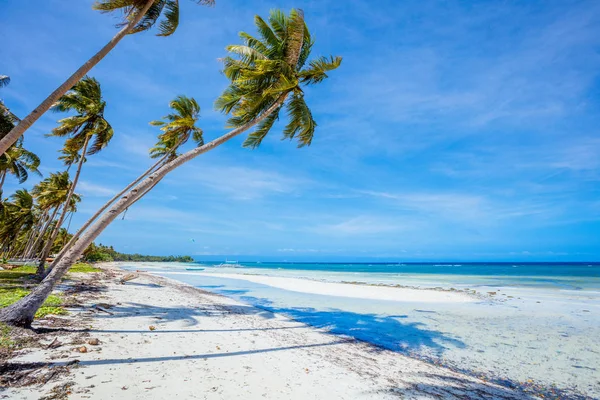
[[354, 291], [527, 336], [162, 339]]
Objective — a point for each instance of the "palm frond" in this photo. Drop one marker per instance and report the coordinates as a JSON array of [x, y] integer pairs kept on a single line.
[[165, 10], [318, 69], [4, 80], [170, 21], [255, 138], [301, 122], [278, 21]]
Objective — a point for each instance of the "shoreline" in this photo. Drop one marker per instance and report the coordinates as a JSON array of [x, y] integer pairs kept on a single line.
[[547, 332], [357, 290], [159, 334]]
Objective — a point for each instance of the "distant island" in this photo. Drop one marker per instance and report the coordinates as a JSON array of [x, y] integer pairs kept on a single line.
[[100, 252]]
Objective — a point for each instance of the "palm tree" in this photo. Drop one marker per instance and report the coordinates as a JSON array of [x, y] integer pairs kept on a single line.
[[265, 76], [89, 123], [69, 155], [50, 195], [137, 16], [176, 131], [18, 219], [18, 162]]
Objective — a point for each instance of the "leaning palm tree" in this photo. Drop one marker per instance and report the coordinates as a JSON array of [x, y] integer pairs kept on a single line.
[[88, 133], [19, 162], [176, 130], [137, 16], [266, 75]]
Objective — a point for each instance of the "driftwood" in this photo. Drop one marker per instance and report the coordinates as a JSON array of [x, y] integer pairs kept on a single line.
[[55, 343], [128, 278], [97, 307]]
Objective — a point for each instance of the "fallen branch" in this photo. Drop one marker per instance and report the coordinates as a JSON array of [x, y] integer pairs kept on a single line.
[[128, 278]]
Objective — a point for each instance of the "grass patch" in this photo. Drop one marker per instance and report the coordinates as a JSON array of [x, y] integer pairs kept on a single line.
[[5, 341], [11, 290], [52, 305], [83, 267], [17, 274]]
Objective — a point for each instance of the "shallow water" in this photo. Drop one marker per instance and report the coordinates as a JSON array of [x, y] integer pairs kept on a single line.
[[540, 328]]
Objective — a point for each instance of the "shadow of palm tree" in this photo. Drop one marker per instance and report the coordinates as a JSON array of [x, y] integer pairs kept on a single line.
[[458, 389], [198, 356], [186, 314], [389, 332]]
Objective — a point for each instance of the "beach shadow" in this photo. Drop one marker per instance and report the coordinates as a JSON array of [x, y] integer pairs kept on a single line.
[[459, 390], [172, 314], [198, 356], [148, 285], [69, 330], [450, 387], [389, 332]]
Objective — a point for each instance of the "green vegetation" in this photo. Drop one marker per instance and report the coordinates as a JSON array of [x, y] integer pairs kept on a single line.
[[52, 305], [5, 340], [83, 268], [101, 253], [268, 74], [11, 290]]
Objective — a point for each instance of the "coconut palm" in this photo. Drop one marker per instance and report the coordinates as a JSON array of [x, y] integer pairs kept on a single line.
[[69, 155], [51, 196], [177, 128], [266, 74], [88, 133], [136, 16], [19, 162], [18, 218]]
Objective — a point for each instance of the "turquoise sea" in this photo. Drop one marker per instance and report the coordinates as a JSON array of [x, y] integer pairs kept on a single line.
[[550, 274]]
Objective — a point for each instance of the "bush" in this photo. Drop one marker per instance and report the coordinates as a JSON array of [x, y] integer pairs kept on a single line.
[[98, 256]]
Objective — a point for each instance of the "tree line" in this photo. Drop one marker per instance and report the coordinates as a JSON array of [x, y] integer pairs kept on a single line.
[[266, 74], [100, 252]]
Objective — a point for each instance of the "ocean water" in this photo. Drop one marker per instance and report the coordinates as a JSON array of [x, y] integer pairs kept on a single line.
[[540, 327], [578, 269], [574, 276]]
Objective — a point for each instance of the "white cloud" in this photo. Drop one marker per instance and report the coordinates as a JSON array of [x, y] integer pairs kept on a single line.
[[94, 190], [242, 183], [360, 225]]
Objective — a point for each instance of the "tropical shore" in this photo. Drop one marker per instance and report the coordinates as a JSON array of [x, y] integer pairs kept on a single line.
[[159, 338], [530, 332]]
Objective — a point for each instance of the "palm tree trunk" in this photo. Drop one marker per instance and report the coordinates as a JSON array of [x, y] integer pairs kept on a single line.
[[36, 231], [43, 231], [22, 312], [29, 242], [26, 122], [104, 207], [2, 180], [48, 246]]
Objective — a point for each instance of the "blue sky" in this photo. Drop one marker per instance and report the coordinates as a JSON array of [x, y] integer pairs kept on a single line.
[[453, 130]]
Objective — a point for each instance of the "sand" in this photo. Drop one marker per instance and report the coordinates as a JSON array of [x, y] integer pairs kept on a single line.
[[163, 339], [355, 291]]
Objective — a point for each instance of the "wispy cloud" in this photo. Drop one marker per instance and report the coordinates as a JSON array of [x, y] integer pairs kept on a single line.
[[358, 226], [87, 188], [242, 183]]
